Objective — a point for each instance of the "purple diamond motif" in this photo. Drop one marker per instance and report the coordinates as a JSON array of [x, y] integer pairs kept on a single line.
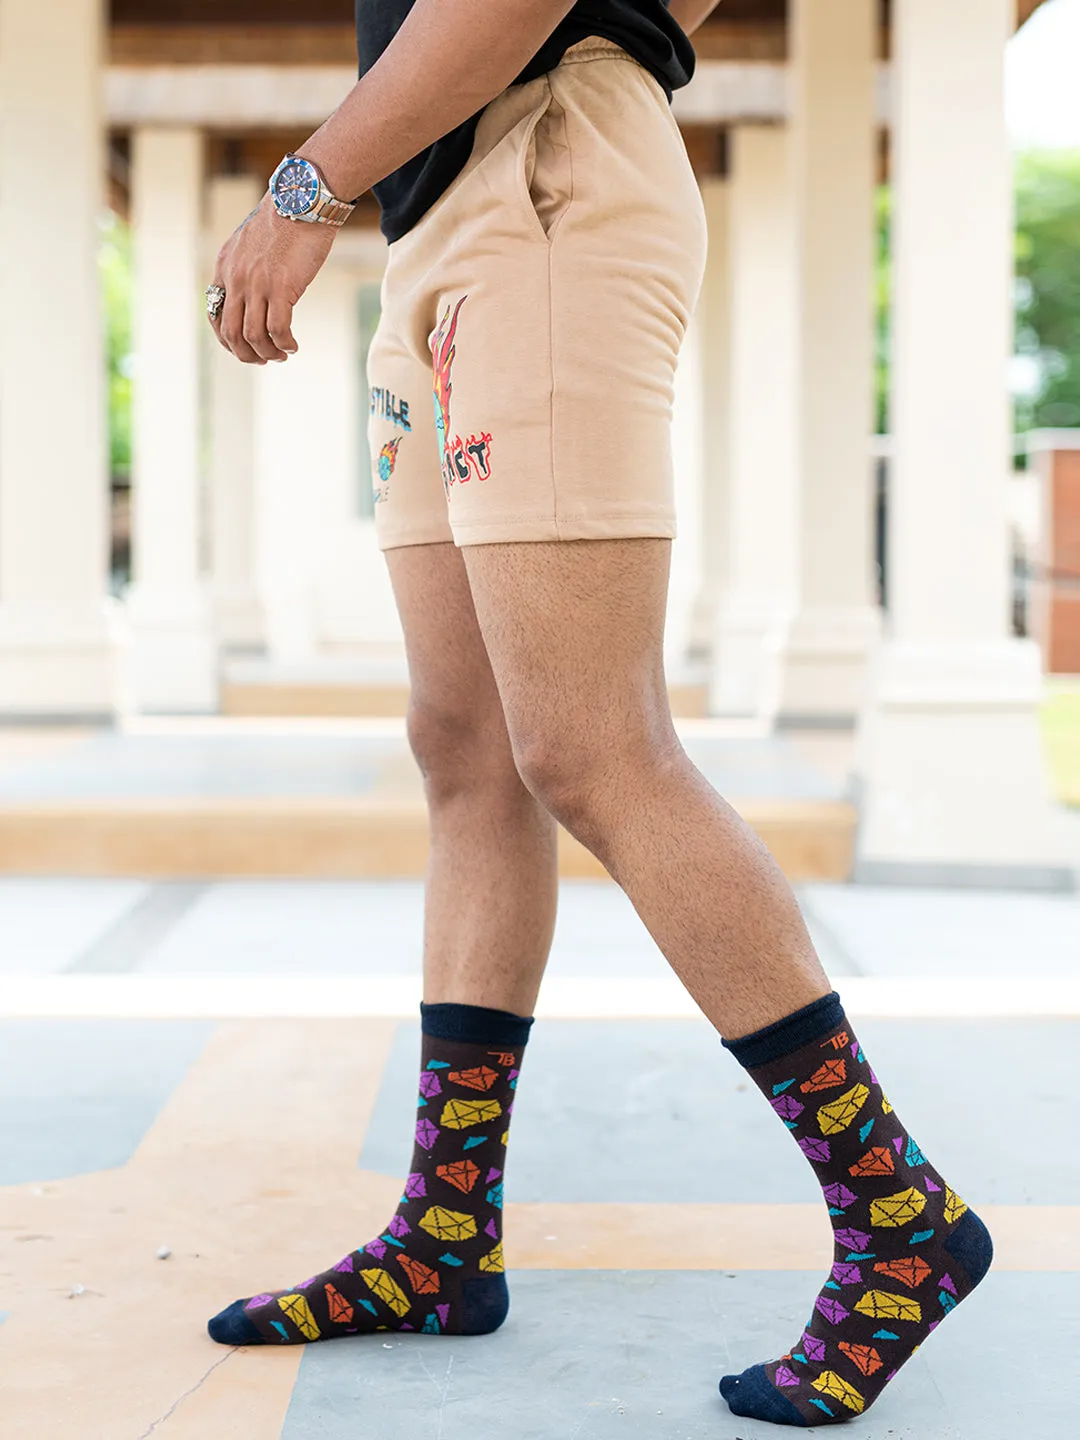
[[833, 1311], [946, 1284], [429, 1084], [305, 1283], [415, 1186], [492, 1174], [930, 1185], [345, 1267], [815, 1150], [844, 1273], [853, 1239], [813, 1348], [376, 1248], [490, 1229], [406, 1327], [784, 1376], [257, 1300], [399, 1226], [443, 1312], [899, 1143], [839, 1195], [787, 1107], [426, 1133]]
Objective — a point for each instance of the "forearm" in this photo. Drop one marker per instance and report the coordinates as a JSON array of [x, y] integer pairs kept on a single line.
[[449, 59], [691, 13]]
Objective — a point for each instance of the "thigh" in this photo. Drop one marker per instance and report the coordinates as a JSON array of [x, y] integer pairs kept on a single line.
[[575, 632]]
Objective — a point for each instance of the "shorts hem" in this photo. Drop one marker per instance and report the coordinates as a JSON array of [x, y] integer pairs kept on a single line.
[[634, 525], [401, 539]]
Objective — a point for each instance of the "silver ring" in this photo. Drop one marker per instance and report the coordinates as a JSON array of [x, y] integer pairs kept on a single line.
[[215, 300]]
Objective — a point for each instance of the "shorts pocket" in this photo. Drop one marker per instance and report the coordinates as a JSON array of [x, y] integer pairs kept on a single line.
[[545, 172]]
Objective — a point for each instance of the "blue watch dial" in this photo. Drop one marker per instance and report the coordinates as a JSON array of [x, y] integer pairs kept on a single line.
[[296, 187]]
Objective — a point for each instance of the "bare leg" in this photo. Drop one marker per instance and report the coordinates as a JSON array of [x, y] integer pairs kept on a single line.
[[491, 881], [575, 635]]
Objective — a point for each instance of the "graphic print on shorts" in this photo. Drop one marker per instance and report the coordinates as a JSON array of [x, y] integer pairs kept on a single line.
[[461, 460], [389, 406], [385, 468]]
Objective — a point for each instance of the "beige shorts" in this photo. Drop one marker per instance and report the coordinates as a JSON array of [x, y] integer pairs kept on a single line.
[[543, 300]]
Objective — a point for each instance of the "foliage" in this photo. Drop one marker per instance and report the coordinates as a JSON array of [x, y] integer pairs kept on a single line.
[[1048, 286], [114, 258]]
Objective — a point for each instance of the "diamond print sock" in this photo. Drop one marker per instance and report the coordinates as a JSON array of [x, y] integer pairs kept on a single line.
[[908, 1249], [438, 1265]]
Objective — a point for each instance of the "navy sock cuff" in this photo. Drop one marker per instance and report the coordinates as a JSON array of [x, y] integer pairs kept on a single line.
[[474, 1025], [791, 1033]]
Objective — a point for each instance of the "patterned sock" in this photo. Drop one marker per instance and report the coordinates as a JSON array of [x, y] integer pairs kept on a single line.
[[908, 1249], [438, 1265]]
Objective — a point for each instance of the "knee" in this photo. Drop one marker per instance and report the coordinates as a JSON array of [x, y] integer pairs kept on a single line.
[[566, 777], [458, 747]]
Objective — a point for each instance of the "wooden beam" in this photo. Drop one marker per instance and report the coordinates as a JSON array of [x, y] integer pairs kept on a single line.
[[232, 45]]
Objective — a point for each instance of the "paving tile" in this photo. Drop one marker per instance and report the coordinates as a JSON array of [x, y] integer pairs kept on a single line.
[[591, 1356], [79, 1095], [46, 924], [657, 1112]]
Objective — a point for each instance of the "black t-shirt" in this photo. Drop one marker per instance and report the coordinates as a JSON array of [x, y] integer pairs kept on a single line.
[[643, 28]]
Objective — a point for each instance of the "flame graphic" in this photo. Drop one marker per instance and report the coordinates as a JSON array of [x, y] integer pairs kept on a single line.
[[442, 358], [387, 458]]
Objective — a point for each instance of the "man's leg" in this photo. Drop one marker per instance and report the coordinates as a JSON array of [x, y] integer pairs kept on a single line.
[[490, 912], [574, 631]]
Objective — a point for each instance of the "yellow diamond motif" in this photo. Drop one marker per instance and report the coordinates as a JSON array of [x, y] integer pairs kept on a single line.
[[505, 1136], [881, 1305], [492, 1263], [886, 1108], [298, 1310], [838, 1114], [460, 1114], [892, 1211], [387, 1289], [954, 1206], [448, 1224], [831, 1384]]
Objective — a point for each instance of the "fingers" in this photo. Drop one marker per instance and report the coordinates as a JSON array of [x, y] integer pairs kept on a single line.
[[232, 324], [255, 330], [279, 324]]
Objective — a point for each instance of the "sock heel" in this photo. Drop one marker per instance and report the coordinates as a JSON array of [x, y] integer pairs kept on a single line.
[[970, 1245], [485, 1303]]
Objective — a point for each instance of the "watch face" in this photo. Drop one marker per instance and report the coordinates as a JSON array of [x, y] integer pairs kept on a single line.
[[296, 187]]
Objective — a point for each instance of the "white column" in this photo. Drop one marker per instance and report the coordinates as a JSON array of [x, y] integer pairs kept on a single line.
[[823, 654], [714, 368], [759, 579], [58, 634], [954, 781], [238, 618], [174, 657]]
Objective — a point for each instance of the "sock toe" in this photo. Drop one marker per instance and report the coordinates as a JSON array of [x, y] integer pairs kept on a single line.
[[753, 1396], [233, 1326]]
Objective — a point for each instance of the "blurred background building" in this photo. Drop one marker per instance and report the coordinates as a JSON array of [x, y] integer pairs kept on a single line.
[[867, 560]]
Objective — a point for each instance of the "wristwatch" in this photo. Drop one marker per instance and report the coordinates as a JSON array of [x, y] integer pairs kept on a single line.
[[300, 193]]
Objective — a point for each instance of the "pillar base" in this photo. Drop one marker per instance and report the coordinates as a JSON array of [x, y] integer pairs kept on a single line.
[[55, 665], [743, 658], [819, 668], [174, 666], [955, 789], [239, 621]]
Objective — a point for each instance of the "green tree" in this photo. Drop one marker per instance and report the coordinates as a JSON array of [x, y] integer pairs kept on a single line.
[[1048, 286], [115, 266]]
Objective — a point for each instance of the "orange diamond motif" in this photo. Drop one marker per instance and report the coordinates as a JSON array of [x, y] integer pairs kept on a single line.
[[880, 1305], [837, 1388], [341, 1312], [833, 1072], [479, 1077], [838, 1114], [892, 1211], [460, 1114], [877, 1161], [298, 1310], [387, 1289], [912, 1270], [422, 1278], [462, 1174], [448, 1224], [865, 1357]]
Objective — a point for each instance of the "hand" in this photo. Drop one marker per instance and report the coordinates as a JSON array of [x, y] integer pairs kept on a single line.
[[265, 266]]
